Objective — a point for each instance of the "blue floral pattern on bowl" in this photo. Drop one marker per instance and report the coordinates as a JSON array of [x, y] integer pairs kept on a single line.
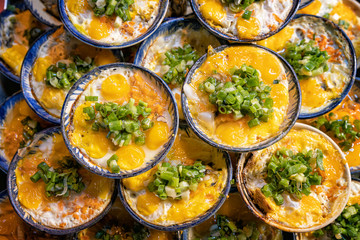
[[38, 9]]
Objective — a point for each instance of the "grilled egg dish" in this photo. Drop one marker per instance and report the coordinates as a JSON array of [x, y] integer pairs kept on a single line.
[[18, 129], [245, 20], [299, 182], [345, 13], [54, 190], [183, 187], [320, 56], [113, 22], [13, 228], [237, 100], [346, 226], [17, 32], [172, 54], [118, 224], [342, 125], [121, 121], [234, 220], [60, 62]]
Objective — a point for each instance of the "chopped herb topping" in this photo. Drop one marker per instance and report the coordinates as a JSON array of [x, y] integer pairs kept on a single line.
[[124, 124], [112, 164], [244, 95], [63, 76], [176, 181], [239, 5], [180, 61], [32, 34], [61, 180], [292, 173], [30, 128], [344, 24], [138, 232], [327, 15], [120, 8], [306, 58], [341, 129], [247, 14], [346, 226]]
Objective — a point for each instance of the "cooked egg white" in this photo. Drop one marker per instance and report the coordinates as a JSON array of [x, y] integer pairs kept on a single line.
[[319, 91], [119, 85], [112, 29], [63, 213], [186, 150], [324, 199], [267, 16], [223, 128]]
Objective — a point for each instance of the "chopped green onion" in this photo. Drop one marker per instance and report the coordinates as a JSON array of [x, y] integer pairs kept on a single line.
[[91, 98], [112, 164], [247, 14]]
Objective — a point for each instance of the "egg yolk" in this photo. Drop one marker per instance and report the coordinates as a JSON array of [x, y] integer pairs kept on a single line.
[[99, 29], [14, 57], [31, 194], [345, 13], [213, 10], [279, 40], [232, 133], [147, 203], [77, 6], [353, 155], [157, 135], [312, 9], [115, 87], [40, 67], [137, 183], [104, 57], [248, 28], [130, 157], [308, 88], [53, 98]]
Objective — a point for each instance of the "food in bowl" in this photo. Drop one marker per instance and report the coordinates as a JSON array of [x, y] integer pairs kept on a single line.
[[321, 57], [121, 121], [344, 13], [54, 190], [112, 22], [234, 220], [17, 32], [61, 61], [182, 188], [244, 20], [118, 224], [235, 99], [298, 183], [346, 226], [51, 7]]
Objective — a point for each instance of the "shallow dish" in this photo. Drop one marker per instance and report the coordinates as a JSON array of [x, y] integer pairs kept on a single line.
[[173, 35], [45, 11], [98, 33], [232, 26], [55, 47], [188, 202], [224, 131], [15, 116], [13, 46], [126, 85], [319, 211], [305, 3], [85, 199], [326, 83]]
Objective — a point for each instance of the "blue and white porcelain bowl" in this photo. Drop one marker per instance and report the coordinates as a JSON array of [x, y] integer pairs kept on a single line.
[[44, 143], [70, 26], [92, 83], [54, 46], [45, 11]]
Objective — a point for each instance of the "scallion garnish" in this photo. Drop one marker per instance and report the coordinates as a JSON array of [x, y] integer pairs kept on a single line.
[[180, 61], [63, 76], [344, 24], [327, 16], [91, 98], [306, 58], [346, 226], [112, 164], [60, 181], [341, 129], [244, 95], [30, 128], [124, 123], [247, 14], [121, 8], [176, 181], [292, 173]]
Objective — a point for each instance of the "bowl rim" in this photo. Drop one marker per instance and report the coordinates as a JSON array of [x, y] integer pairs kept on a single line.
[[191, 223], [19, 209], [30, 5], [202, 20], [86, 79], [165, 29], [5, 108], [163, 6], [203, 136], [240, 182], [307, 3], [334, 102]]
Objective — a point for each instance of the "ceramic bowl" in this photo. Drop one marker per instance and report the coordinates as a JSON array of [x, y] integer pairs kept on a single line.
[[340, 202], [304, 3], [13, 194], [78, 88], [233, 38], [86, 39], [291, 116], [39, 9]]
